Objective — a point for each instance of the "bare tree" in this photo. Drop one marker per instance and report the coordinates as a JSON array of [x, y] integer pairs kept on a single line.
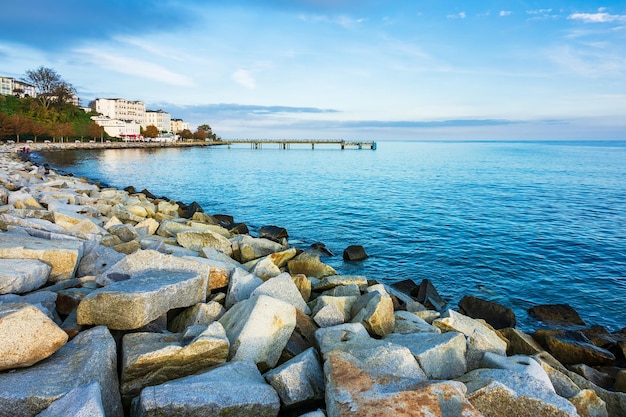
[[50, 86]]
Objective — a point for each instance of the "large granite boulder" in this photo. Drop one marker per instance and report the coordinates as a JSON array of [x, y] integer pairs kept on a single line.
[[357, 389], [498, 316], [573, 347], [63, 256], [309, 264], [332, 281], [556, 314], [89, 357], [299, 380], [195, 240], [497, 392], [135, 302], [283, 288], [235, 389], [153, 358], [82, 401], [22, 275], [201, 314], [330, 311], [247, 248], [258, 329], [520, 343], [241, 286], [27, 336], [407, 322], [375, 311], [354, 253], [440, 355], [97, 259], [143, 260], [480, 336]]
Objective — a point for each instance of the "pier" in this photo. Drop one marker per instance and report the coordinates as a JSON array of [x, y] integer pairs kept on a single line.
[[286, 143]]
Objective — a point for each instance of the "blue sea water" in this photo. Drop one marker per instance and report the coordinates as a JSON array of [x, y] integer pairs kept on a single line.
[[519, 223]]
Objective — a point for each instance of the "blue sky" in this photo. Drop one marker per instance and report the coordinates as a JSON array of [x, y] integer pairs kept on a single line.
[[340, 69]]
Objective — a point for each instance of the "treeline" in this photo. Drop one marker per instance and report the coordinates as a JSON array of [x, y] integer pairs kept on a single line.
[[23, 119]]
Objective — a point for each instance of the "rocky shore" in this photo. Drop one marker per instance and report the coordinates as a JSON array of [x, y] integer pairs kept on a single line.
[[121, 303]]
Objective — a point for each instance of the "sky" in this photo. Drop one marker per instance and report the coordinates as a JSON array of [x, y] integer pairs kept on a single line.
[[349, 69]]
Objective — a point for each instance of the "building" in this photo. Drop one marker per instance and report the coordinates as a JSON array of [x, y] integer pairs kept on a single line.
[[120, 109], [177, 126], [125, 129], [159, 118], [12, 87]]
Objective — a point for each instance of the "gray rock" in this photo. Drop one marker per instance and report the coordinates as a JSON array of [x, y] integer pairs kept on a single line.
[[332, 281], [283, 288], [407, 322], [258, 329], [247, 248], [329, 315], [152, 359], [126, 232], [519, 363], [441, 356], [89, 357], [31, 223], [498, 316], [495, 392], [22, 275], [62, 255], [355, 388], [236, 389], [82, 401], [142, 299], [350, 290], [310, 265], [27, 336], [144, 260], [97, 259], [298, 380], [556, 313], [241, 286], [375, 311], [201, 314], [195, 240], [44, 300]]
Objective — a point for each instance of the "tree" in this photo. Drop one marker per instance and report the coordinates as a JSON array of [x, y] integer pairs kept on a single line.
[[50, 86], [206, 128], [200, 134], [186, 134], [17, 125], [151, 131], [95, 130]]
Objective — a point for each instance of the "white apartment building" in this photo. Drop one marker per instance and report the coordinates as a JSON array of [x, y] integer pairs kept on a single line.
[[12, 87], [125, 129], [159, 118], [120, 109], [177, 126]]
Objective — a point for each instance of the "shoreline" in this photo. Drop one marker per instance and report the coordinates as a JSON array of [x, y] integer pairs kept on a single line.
[[60, 146], [117, 238]]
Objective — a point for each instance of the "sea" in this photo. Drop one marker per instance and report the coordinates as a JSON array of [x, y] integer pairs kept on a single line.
[[516, 222]]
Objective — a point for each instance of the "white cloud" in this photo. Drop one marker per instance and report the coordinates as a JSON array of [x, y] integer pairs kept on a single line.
[[136, 67], [244, 78], [460, 15], [343, 21], [599, 17], [505, 12]]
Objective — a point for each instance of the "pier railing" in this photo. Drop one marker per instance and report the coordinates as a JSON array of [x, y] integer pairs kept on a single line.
[[286, 143]]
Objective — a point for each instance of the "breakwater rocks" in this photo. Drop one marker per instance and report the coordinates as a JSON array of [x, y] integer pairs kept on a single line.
[[115, 302]]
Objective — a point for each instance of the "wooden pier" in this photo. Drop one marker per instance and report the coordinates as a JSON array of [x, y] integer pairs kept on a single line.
[[286, 143]]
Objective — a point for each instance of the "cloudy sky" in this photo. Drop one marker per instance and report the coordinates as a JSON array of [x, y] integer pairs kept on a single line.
[[414, 69]]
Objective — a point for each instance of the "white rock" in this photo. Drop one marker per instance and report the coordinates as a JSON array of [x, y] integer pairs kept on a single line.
[[22, 275], [258, 329], [283, 288]]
